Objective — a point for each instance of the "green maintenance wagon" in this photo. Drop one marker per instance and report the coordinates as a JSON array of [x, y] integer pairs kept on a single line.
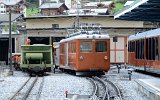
[[36, 58]]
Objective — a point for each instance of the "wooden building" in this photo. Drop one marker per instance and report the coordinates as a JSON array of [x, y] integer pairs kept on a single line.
[[52, 8]]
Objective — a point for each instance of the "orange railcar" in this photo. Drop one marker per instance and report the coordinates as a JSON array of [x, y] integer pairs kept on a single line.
[[86, 52], [144, 51]]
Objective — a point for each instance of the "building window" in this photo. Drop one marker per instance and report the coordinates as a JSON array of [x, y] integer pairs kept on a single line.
[[55, 25]]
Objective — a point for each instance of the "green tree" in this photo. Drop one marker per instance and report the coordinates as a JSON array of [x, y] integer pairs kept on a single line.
[[14, 27], [118, 5], [6, 28]]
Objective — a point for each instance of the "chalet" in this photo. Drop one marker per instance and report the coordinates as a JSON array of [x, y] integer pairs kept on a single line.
[[52, 8], [17, 6]]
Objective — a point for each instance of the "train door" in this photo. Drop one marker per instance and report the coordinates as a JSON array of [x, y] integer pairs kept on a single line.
[[66, 54], [101, 56]]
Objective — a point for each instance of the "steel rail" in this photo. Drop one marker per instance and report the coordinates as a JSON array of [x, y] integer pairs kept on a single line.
[[106, 94], [116, 88], [30, 88], [12, 97], [40, 89], [94, 87]]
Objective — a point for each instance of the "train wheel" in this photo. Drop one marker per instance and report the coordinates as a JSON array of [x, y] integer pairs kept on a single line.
[[22, 70], [43, 73], [30, 73]]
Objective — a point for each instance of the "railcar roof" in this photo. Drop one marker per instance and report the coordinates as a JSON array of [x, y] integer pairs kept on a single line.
[[87, 37], [147, 34], [36, 45]]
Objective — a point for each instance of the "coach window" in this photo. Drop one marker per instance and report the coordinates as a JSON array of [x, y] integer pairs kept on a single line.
[[136, 49], [143, 49], [154, 49], [73, 47], [128, 46], [140, 49], [156, 46], [86, 47], [101, 46], [62, 48], [151, 49]]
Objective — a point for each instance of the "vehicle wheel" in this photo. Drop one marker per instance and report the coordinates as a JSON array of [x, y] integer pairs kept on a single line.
[[30, 74]]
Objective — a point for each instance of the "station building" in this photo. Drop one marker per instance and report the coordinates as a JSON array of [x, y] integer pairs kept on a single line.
[[49, 29]]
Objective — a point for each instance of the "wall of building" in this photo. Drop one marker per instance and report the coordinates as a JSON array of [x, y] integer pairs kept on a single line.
[[120, 29], [2, 9], [68, 22]]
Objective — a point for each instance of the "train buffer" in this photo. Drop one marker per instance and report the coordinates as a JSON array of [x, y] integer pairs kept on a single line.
[[150, 87], [77, 96]]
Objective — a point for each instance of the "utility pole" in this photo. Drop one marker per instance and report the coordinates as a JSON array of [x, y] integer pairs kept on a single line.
[[78, 4], [10, 44]]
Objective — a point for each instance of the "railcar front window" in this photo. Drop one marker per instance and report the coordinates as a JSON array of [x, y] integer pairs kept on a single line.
[[101, 46], [86, 47]]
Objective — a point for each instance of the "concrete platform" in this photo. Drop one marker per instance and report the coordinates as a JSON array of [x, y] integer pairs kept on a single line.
[[150, 87]]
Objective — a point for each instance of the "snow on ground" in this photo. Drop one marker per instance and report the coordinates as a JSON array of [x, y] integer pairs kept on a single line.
[[11, 84], [129, 88], [55, 87]]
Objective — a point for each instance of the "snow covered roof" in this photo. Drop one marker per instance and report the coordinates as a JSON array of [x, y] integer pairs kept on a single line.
[[152, 33], [9, 2], [128, 3], [90, 35], [95, 3], [89, 11], [5, 17], [147, 34], [50, 5], [100, 10]]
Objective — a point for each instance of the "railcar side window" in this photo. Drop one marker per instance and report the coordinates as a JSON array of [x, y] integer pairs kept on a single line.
[[136, 49], [142, 49], [129, 48], [101, 46], [73, 47], [150, 49], [62, 49], [86, 47], [133, 46], [156, 46], [153, 49]]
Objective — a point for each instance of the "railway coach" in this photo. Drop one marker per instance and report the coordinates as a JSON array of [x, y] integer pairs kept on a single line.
[[144, 51], [36, 58], [85, 52]]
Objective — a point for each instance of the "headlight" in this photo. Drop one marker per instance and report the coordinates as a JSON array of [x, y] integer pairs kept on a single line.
[[105, 57]]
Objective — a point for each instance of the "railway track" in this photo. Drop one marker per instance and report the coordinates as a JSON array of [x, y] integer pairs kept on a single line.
[[113, 91], [25, 90], [105, 89], [100, 89]]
